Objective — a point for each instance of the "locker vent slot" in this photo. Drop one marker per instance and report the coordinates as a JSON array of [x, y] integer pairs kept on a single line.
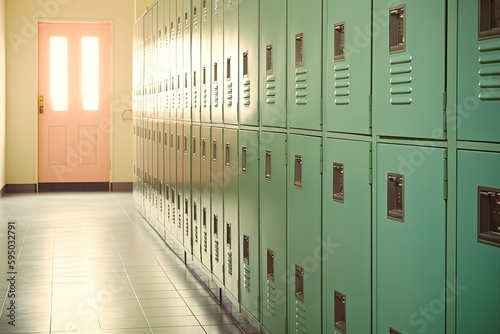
[[204, 75], [395, 197], [216, 225], [489, 19], [338, 182], [270, 265], [299, 283], [246, 249], [393, 331], [244, 159], [185, 144], [216, 72], [299, 50], [268, 165], [228, 235], [269, 59], [397, 40], [228, 69], [214, 151], [340, 308], [228, 155], [489, 216], [298, 172], [339, 42], [245, 63], [204, 148], [194, 147]]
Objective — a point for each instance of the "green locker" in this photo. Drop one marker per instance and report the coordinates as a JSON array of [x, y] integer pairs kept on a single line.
[[173, 178], [180, 60], [273, 217], [196, 188], [217, 61], [196, 60], [186, 56], [231, 216], [186, 187], [304, 64], [181, 172], [206, 61], [217, 194], [348, 67], [407, 54], [249, 222], [173, 60], [231, 62], [476, 291], [273, 62], [304, 243], [206, 208], [478, 80], [347, 233], [249, 62], [411, 238]]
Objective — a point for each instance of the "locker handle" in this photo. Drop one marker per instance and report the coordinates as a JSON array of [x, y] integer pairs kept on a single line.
[[268, 165], [244, 159]]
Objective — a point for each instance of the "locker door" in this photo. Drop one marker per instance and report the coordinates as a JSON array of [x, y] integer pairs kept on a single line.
[[197, 13], [348, 68], [173, 179], [217, 218], [180, 183], [206, 208], [186, 203], [249, 62], [304, 66], [186, 97], [161, 176], [154, 169], [154, 63], [411, 238], [161, 76], [273, 215], [165, 61], [478, 81], [231, 62], [206, 61], [231, 222], [477, 292], [173, 60], [347, 236], [273, 62], [249, 222], [407, 53], [166, 173], [304, 234], [149, 208], [217, 61], [180, 60], [196, 188]]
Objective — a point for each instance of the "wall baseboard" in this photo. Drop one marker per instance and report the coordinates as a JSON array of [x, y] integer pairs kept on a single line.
[[77, 186], [3, 191], [122, 187], [20, 188]]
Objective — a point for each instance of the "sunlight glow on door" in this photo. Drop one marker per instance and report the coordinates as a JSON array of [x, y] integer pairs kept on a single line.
[[90, 73], [59, 73]]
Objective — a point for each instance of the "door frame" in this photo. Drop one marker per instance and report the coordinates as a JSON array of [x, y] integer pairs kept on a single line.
[[111, 90]]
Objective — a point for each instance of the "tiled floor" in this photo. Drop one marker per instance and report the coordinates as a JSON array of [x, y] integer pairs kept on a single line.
[[88, 263]]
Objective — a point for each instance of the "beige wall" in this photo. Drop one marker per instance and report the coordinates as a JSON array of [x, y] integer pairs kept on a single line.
[[2, 93], [140, 6], [22, 80]]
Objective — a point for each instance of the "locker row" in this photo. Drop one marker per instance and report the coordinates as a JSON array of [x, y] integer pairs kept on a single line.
[[369, 69], [284, 225]]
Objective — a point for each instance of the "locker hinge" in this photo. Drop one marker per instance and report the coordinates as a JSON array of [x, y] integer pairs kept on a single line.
[[445, 181], [286, 152], [370, 113], [321, 160], [445, 119], [370, 165]]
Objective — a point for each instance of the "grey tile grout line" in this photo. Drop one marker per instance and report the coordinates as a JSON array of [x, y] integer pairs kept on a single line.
[[6, 292], [163, 270]]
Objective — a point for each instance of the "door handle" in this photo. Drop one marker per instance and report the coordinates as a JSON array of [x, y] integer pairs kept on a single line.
[[40, 104]]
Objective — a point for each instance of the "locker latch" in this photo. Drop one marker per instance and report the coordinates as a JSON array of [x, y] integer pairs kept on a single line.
[[298, 172], [488, 222], [340, 311], [395, 197], [489, 19], [393, 331], [339, 42], [228, 155], [246, 249], [244, 152], [299, 50], [269, 59], [270, 265], [194, 147], [338, 182], [268, 165], [245, 64], [228, 235], [397, 40], [299, 283]]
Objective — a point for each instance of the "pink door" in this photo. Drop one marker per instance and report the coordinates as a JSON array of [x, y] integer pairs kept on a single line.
[[73, 105]]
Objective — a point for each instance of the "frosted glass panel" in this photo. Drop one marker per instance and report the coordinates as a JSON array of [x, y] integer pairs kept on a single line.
[[90, 73], [59, 73]]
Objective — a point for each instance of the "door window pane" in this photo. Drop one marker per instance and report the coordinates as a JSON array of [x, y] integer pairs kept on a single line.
[[90, 73], [59, 73]]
